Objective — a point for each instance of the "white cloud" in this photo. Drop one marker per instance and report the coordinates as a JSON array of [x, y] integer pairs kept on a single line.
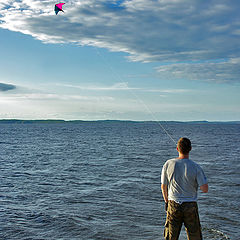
[[222, 71], [41, 106], [50, 97], [148, 30], [123, 86], [32, 103]]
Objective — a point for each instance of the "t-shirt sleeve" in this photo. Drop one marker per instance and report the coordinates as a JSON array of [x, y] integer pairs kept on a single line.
[[201, 178], [164, 179]]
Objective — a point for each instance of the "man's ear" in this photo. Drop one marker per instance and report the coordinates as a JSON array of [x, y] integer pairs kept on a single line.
[[177, 149]]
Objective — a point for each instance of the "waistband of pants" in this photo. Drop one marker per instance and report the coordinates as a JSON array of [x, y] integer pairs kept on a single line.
[[182, 203]]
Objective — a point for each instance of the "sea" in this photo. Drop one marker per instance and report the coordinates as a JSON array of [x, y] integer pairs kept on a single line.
[[101, 180]]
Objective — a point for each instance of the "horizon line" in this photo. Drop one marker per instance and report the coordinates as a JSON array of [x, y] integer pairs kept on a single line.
[[118, 120]]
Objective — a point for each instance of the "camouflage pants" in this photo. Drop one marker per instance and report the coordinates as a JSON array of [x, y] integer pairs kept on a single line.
[[177, 214]]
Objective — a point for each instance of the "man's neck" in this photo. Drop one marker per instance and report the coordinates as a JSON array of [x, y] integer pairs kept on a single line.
[[183, 156]]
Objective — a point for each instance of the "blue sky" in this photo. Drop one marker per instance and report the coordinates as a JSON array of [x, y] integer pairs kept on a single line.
[[128, 60]]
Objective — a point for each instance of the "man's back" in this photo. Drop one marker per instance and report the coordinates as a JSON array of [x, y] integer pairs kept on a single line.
[[183, 176]]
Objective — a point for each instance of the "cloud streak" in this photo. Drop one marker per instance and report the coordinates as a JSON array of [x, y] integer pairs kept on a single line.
[[148, 30], [123, 86], [53, 97]]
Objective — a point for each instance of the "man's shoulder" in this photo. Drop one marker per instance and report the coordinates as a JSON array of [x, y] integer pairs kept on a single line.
[[194, 164], [170, 161]]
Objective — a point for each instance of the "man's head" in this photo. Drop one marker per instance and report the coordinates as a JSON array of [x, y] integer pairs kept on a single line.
[[184, 145]]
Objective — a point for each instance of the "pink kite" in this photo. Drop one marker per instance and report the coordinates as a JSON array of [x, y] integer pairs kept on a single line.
[[58, 7]]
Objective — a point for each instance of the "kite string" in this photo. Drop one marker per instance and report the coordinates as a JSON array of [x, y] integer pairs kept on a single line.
[[117, 76]]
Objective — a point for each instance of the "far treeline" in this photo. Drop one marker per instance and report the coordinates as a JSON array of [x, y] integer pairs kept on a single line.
[[54, 121]]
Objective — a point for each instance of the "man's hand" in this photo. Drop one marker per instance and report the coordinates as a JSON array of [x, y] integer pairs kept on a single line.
[[164, 192], [204, 188]]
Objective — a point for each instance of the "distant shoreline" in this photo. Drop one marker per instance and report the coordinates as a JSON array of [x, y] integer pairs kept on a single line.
[[54, 121]]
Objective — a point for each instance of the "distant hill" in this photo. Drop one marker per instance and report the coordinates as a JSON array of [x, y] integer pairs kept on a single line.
[[18, 121], [53, 121]]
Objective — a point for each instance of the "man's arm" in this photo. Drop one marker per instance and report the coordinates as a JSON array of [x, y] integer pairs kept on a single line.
[[165, 192], [204, 188]]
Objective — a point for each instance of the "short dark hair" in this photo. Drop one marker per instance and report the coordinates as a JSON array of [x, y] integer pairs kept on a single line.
[[184, 145]]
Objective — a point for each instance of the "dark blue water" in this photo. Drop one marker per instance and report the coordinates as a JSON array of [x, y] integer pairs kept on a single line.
[[101, 180]]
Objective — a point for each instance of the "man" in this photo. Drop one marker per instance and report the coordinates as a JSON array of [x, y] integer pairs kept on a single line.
[[180, 180]]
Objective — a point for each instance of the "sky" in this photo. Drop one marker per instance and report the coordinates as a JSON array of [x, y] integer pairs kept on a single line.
[[169, 60]]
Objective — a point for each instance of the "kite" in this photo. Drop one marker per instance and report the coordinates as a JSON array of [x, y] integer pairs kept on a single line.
[[58, 7]]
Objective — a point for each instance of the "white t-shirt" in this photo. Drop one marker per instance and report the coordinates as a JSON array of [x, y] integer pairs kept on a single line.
[[183, 177]]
